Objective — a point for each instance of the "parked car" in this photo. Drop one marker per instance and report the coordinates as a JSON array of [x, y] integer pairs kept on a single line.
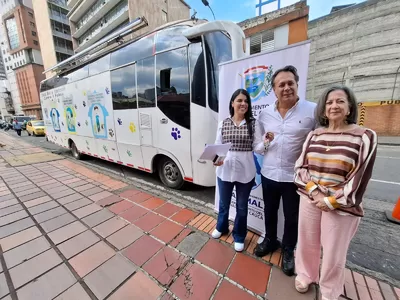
[[35, 127]]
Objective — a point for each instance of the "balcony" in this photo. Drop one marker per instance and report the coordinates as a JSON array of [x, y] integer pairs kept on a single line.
[[111, 25], [9, 105], [59, 3], [64, 50], [94, 17], [58, 18], [71, 3], [62, 35], [79, 10]]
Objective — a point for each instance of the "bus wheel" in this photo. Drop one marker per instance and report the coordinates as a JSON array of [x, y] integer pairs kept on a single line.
[[75, 152], [170, 174]]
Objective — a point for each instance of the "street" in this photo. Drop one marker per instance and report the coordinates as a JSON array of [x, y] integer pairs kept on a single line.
[[375, 248]]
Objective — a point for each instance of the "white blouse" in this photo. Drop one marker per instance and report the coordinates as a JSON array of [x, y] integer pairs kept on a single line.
[[238, 165]]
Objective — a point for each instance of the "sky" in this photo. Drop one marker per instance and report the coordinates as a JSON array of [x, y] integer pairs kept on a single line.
[[240, 10]]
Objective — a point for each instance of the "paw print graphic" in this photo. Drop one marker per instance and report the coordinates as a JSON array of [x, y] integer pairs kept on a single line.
[[79, 124], [132, 127], [105, 148], [84, 103], [62, 123], [119, 121], [76, 106], [111, 132], [129, 153], [175, 133], [107, 91], [86, 123]]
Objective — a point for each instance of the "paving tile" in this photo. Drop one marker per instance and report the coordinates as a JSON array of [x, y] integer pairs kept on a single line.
[[149, 221], [140, 197], [125, 236], [110, 226], [64, 233], [3, 285], [165, 265], [37, 201], [166, 231], [75, 179], [134, 213], [176, 241], [78, 204], [55, 188], [19, 189], [98, 217], [142, 250], [228, 291], [19, 238], [120, 206], [99, 196], [92, 191], [43, 207], [75, 292], [6, 197], [34, 267], [10, 209], [69, 198], [250, 273], [281, 286], [77, 183], [49, 285], [109, 275], [195, 282], [87, 210], [153, 203], [13, 217], [46, 182], [387, 291], [27, 192], [63, 193], [16, 227], [91, 258], [168, 209], [193, 243], [374, 288], [50, 214], [84, 187], [26, 251], [138, 287], [109, 200], [32, 196], [216, 256], [58, 222], [8, 203], [184, 216], [78, 243]]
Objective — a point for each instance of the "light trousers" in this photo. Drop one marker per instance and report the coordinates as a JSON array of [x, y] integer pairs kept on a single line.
[[331, 231]]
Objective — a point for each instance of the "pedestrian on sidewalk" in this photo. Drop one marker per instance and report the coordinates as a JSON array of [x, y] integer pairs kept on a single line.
[[17, 127], [332, 174], [290, 119], [237, 169]]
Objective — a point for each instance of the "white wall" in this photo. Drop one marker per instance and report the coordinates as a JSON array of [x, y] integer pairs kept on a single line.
[[281, 36]]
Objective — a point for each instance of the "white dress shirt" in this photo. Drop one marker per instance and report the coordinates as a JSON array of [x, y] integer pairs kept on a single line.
[[290, 133], [238, 165]]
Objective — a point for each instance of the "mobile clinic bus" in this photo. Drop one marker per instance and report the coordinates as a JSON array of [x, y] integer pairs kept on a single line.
[[149, 103]]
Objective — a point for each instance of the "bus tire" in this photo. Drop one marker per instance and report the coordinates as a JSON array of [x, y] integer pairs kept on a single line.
[[75, 152], [169, 173]]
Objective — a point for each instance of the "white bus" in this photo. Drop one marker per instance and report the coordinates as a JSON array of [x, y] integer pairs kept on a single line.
[[149, 103]]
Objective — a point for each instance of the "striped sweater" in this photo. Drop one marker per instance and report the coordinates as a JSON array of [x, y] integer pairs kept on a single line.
[[339, 165]]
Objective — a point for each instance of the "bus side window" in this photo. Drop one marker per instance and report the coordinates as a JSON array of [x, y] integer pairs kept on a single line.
[[100, 65], [123, 88], [197, 74], [145, 82], [173, 89]]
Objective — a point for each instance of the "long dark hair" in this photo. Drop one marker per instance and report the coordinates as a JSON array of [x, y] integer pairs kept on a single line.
[[248, 114]]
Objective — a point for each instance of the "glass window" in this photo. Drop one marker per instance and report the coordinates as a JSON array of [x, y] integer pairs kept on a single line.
[[78, 74], [34, 33], [12, 33], [100, 65], [145, 82], [197, 74], [123, 88], [218, 50], [133, 52], [36, 42], [173, 90], [170, 38]]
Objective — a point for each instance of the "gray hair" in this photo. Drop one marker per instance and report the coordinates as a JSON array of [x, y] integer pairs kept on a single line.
[[351, 98]]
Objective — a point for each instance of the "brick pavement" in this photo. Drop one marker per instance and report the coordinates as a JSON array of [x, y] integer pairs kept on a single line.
[[68, 232]]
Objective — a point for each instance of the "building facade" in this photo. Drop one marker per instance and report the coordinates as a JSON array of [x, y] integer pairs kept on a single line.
[[54, 31], [91, 20], [359, 46], [276, 29], [23, 59]]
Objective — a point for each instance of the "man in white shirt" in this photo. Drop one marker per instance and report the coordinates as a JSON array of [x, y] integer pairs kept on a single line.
[[289, 120]]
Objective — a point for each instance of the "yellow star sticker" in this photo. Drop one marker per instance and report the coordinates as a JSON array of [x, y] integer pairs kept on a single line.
[[84, 93], [132, 127]]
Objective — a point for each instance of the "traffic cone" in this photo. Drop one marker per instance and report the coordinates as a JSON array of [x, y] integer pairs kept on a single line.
[[394, 216]]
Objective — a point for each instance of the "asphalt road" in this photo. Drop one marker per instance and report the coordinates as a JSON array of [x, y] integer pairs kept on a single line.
[[374, 249]]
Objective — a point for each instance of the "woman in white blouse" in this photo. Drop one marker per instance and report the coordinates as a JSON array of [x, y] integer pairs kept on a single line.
[[238, 168]]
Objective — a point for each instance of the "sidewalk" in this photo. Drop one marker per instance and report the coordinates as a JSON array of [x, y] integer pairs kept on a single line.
[[389, 140], [68, 232]]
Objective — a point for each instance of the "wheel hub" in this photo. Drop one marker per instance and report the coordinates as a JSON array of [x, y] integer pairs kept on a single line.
[[171, 172]]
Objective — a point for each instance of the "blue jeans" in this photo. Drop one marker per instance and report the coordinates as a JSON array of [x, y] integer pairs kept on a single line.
[[242, 197]]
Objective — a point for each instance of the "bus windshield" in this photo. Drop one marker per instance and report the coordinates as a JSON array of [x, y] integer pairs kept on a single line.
[[219, 50]]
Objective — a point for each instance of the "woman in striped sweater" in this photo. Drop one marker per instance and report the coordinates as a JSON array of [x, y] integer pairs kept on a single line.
[[332, 174]]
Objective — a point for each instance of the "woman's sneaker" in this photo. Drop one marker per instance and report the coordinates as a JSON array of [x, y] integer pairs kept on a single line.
[[239, 247], [216, 234]]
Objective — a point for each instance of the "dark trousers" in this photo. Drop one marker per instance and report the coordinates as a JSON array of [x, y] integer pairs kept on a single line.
[[272, 193], [243, 190], [18, 131]]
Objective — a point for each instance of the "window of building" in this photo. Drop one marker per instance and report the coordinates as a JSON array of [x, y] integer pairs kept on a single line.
[[7, 68], [172, 85], [263, 41], [164, 16], [36, 42], [32, 24], [145, 82], [123, 88], [33, 33], [100, 65], [12, 33], [30, 14]]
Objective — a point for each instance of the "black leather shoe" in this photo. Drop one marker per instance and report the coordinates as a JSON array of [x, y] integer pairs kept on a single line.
[[288, 261], [266, 247]]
